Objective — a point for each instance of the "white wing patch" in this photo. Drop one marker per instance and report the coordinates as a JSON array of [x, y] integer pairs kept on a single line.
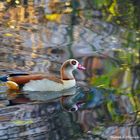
[[48, 85]]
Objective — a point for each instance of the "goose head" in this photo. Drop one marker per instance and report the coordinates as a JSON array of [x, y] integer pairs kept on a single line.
[[68, 67]]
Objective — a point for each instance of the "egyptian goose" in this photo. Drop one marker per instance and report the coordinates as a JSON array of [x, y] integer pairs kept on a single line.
[[40, 82]]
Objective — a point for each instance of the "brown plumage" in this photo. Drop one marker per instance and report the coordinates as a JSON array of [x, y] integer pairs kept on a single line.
[[27, 78]]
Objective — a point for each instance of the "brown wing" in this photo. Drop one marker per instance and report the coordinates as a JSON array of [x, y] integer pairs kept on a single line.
[[26, 78], [54, 78]]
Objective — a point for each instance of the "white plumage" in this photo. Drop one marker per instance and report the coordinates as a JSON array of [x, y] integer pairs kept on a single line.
[[45, 85]]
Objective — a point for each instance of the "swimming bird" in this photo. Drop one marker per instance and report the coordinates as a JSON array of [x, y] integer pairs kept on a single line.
[[41, 82]]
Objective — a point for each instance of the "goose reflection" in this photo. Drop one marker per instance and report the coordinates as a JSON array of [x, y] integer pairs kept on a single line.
[[49, 95], [74, 102], [44, 96], [83, 99]]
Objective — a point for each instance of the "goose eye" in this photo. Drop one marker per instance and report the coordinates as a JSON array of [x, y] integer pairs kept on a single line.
[[74, 108], [73, 62]]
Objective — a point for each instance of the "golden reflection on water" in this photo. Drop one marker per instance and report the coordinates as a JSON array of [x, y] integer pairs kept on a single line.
[[33, 13]]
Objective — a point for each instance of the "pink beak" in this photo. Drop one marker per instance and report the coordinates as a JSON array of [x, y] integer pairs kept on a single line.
[[80, 67]]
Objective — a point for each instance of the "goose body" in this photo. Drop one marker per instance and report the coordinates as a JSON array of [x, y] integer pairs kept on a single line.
[[48, 85], [40, 82]]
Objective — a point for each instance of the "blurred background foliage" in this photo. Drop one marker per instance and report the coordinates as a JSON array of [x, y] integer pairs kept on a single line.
[[111, 10]]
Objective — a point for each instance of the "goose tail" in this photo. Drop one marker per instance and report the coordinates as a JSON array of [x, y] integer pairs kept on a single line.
[[4, 78]]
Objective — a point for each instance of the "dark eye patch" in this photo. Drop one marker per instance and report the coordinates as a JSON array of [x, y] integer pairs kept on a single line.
[[73, 62]]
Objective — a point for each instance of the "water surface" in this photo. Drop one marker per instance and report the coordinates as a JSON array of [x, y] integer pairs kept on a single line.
[[38, 37]]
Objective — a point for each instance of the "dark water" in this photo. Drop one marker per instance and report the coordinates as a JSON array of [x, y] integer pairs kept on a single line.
[[38, 36]]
